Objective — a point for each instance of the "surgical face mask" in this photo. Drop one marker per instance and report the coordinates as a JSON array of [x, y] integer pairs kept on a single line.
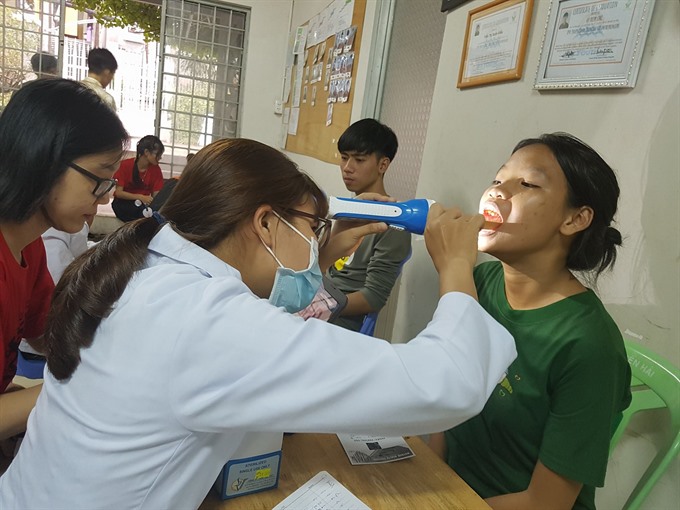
[[294, 290]]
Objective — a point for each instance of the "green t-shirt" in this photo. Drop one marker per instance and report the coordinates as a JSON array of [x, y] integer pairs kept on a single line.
[[560, 402]]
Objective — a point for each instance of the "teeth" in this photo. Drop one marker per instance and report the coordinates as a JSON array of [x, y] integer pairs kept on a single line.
[[492, 215]]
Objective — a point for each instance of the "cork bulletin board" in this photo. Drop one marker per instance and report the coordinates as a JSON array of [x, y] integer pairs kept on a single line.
[[314, 137]]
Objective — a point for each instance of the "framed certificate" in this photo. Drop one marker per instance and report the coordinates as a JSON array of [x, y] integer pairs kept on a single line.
[[495, 42], [593, 43]]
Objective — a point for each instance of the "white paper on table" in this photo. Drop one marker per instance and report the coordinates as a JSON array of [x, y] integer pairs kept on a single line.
[[362, 449], [322, 492]]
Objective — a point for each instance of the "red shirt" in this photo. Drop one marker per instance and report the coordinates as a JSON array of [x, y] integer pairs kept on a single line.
[[152, 178], [25, 296]]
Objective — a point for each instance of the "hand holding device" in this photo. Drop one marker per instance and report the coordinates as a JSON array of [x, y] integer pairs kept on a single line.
[[410, 215]]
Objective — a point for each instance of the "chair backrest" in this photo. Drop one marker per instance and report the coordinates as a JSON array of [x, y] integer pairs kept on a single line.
[[655, 385], [30, 368], [368, 326]]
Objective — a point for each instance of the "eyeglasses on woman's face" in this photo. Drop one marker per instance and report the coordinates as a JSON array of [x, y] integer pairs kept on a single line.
[[101, 187], [322, 230]]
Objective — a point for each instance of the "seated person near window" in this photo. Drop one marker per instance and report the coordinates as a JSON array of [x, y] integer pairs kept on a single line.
[[139, 180], [542, 439], [367, 148]]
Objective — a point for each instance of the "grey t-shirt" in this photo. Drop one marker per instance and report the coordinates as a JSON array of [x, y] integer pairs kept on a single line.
[[372, 269]]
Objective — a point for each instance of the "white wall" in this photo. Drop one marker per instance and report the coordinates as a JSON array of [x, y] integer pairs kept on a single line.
[[264, 66]]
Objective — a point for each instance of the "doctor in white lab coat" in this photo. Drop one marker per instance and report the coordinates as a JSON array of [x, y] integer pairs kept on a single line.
[[171, 341]]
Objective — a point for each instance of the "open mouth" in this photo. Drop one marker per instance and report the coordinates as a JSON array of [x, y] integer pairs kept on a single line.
[[492, 217]]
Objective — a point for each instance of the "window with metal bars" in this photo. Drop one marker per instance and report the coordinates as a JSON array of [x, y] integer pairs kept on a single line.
[[203, 45], [29, 40], [194, 94]]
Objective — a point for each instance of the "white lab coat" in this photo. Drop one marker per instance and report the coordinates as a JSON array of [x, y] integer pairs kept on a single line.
[[61, 248], [190, 359]]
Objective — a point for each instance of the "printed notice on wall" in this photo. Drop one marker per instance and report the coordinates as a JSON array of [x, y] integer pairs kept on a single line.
[[374, 449]]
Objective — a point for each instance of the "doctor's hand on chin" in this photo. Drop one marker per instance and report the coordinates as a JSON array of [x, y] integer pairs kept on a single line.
[[347, 235]]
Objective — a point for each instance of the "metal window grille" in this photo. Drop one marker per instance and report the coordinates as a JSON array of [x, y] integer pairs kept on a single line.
[[26, 28], [75, 58], [189, 85], [202, 50]]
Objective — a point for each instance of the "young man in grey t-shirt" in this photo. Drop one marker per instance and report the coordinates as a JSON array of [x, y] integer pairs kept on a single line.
[[367, 148]]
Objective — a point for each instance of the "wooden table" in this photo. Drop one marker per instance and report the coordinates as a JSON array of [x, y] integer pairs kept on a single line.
[[421, 482]]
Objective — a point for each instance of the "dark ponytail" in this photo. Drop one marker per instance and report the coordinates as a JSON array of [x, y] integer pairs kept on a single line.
[[591, 182], [136, 179], [594, 250], [89, 288]]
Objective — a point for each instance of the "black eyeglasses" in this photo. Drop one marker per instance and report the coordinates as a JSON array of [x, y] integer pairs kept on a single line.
[[102, 186], [322, 231]]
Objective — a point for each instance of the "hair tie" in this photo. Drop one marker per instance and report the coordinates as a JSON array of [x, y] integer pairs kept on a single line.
[[613, 236], [159, 218]]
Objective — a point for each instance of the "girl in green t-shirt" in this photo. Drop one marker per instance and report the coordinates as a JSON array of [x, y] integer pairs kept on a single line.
[[542, 440]]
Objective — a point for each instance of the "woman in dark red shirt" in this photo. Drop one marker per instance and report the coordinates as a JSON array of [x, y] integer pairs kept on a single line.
[[139, 179], [53, 177]]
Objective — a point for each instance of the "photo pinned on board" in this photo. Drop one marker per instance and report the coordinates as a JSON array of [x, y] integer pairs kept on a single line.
[[349, 38], [329, 114]]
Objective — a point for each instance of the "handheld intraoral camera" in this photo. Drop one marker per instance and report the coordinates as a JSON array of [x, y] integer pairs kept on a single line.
[[410, 215]]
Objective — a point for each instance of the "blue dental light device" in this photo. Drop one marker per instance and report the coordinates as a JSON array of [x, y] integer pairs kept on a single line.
[[410, 215]]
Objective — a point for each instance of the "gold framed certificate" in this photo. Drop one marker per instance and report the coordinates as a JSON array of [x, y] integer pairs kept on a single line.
[[495, 42]]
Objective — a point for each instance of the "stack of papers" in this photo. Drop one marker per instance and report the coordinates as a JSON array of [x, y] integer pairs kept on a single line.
[[322, 492]]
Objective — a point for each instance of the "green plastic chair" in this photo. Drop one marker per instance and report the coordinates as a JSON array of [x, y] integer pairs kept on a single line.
[[655, 384]]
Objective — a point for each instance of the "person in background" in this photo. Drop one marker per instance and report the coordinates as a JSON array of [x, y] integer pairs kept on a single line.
[[102, 66], [169, 185], [542, 440], [44, 65], [139, 180], [54, 180], [175, 337], [366, 149]]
